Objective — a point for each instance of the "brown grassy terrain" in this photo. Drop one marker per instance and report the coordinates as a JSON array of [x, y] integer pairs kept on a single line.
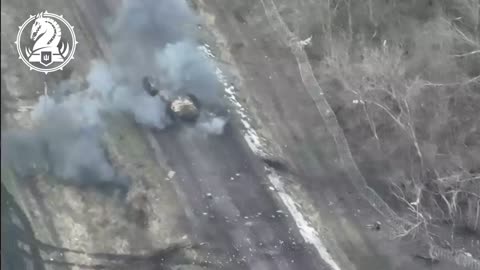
[[403, 78]]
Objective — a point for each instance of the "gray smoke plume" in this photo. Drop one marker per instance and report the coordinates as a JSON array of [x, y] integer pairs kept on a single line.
[[147, 38]]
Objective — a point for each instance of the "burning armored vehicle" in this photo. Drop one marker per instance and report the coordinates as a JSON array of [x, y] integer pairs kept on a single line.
[[184, 107]]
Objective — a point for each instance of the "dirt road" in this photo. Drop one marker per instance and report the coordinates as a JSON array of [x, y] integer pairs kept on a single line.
[[217, 191], [229, 202]]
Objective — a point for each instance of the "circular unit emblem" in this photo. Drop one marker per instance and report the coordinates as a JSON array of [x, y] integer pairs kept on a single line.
[[46, 42]]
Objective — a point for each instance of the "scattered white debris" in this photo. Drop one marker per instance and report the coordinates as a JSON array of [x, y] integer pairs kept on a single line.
[[171, 174], [254, 142], [306, 42], [375, 226], [206, 50], [356, 101]]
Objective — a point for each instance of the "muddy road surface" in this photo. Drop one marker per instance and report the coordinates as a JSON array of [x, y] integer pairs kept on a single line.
[[214, 193], [230, 204]]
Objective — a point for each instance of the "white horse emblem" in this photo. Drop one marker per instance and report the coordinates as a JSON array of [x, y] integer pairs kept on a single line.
[[51, 43]]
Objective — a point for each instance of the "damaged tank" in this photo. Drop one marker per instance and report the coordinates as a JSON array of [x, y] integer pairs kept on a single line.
[[150, 85], [183, 107]]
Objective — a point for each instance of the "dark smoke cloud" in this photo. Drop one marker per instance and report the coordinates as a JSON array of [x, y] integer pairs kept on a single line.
[[147, 38]]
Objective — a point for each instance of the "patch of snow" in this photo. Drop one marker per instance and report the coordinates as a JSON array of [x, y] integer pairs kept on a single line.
[[308, 232], [206, 50], [254, 142]]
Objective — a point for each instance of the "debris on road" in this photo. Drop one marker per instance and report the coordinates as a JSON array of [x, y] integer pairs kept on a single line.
[[275, 163], [376, 226], [171, 174]]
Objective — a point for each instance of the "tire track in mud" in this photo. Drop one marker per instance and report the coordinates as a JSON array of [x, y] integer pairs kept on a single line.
[[349, 164], [189, 184], [238, 216], [272, 227], [258, 145], [87, 25]]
